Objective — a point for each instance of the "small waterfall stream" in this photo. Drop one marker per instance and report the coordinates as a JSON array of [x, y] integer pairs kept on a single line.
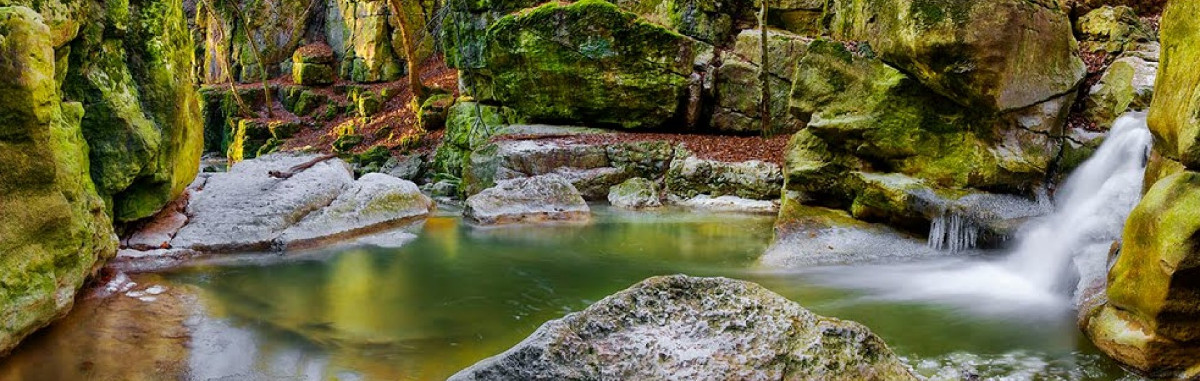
[[1089, 212], [1090, 207]]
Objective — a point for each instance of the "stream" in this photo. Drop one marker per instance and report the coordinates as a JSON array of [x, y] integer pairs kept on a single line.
[[457, 294]]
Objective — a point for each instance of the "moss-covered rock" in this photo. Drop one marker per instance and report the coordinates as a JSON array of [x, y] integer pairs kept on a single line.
[[1152, 319], [469, 125], [635, 193], [739, 88], [1173, 111], [586, 62], [1127, 85], [434, 110], [1112, 29], [995, 55], [250, 136], [143, 117], [55, 229], [690, 176]]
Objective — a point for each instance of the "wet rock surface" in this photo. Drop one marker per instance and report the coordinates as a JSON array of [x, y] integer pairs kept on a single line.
[[527, 200], [679, 327]]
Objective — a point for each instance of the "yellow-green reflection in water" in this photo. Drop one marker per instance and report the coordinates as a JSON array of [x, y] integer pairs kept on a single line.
[[458, 294]]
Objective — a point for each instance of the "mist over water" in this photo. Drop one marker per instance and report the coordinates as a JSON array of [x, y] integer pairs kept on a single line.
[[1049, 256]]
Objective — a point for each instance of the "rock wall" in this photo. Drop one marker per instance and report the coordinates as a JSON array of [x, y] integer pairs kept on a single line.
[[54, 231], [102, 126], [1151, 320], [362, 33]]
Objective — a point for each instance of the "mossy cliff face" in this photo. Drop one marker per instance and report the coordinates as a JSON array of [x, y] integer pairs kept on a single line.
[[53, 229], [586, 62], [362, 33], [996, 55], [130, 68], [1151, 321]]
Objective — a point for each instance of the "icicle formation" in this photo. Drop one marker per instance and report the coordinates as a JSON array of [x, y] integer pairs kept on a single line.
[[953, 232]]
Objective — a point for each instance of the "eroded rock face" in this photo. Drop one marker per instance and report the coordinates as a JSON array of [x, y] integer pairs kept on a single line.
[[738, 86], [526, 200], [54, 231], [975, 53], [130, 64], [679, 327]]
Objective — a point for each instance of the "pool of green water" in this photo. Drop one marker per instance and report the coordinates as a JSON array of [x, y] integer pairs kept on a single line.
[[457, 294]]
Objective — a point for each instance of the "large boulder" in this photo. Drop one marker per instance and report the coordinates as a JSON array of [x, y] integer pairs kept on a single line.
[[54, 227], [1173, 111], [525, 200], [976, 53], [861, 110], [585, 62], [635, 193], [1149, 322], [679, 327], [1152, 319], [690, 176], [247, 209], [1112, 29]]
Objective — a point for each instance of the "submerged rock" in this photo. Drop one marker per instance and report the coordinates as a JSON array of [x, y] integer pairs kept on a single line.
[[679, 327], [635, 193], [524, 200], [807, 236]]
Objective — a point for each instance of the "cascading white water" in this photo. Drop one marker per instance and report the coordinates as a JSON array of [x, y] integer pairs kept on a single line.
[[953, 232], [1090, 207], [1089, 213]]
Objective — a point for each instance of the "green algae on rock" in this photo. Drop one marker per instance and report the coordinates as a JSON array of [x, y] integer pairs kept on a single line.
[[55, 229], [995, 55], [1151, 319], [587, 62]]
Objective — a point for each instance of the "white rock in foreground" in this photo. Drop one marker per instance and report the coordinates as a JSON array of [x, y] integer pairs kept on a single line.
[[375, 201], [684, 328], [528, 200]]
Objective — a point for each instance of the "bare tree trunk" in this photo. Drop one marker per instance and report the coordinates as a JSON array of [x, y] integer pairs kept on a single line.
[[410, 51], [227, 67], [262, 65], [764, 76]]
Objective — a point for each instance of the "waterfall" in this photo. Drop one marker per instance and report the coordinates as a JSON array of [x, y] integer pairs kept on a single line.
[[1088, 214], [1090, 208]]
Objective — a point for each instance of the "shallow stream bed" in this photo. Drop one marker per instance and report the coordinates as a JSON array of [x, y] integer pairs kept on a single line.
[[457, 294]]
